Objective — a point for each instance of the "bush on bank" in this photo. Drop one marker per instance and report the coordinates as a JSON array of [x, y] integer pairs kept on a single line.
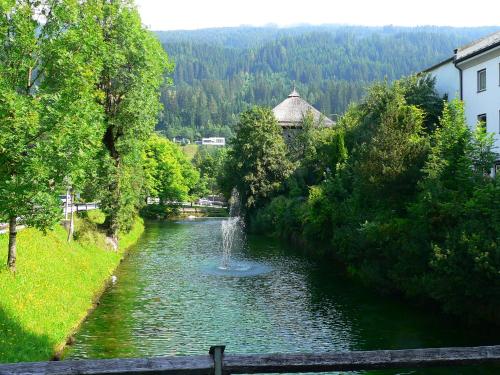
[[55, 286], [409, 206]]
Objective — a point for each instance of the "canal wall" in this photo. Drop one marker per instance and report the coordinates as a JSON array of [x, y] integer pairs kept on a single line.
[[55, 287]]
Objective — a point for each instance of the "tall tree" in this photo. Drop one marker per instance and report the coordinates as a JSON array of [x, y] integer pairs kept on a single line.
[[48, 114], [134, 65], [258, 163]]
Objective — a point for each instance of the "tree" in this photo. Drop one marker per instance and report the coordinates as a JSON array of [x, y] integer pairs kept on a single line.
[[210, 163], [257, 162], [169, 176], [419, 90], [134, 65], [48, 115], [458, 220], [390, 162]]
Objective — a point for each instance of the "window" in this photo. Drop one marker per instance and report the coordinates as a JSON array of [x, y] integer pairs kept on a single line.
[[481, 80], [481, 119]]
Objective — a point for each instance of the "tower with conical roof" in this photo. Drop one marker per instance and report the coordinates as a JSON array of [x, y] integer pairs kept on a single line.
[[290, 114]]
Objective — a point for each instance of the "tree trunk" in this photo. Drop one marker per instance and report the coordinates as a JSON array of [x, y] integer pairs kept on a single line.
[[11, 259], [113, 205], [111, 225], [66, 204]]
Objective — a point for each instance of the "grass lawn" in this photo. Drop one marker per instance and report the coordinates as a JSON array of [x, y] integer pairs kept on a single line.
[[190, 150], [54, 287]]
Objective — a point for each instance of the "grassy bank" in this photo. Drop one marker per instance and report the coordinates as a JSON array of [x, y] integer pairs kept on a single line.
[[54, 287]]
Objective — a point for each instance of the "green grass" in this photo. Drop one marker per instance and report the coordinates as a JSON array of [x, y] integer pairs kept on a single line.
[[190, 151], [54, 287]]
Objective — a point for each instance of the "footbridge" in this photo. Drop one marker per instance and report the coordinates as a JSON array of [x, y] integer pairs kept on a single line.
[[217, 362]]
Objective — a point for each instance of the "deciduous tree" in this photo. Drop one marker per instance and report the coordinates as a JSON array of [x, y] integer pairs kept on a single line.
[[49, 121], [134, 65], [258, 163]]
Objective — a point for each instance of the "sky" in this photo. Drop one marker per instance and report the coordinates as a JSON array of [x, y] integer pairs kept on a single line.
[[198, 14]]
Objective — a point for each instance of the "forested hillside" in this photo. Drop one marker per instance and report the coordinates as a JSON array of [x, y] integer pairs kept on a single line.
[[220, 72]]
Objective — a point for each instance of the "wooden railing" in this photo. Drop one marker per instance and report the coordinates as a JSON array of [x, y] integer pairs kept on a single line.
[[217, 363]]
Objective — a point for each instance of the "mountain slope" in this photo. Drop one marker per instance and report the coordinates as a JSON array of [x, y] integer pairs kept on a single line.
[[219, 72]]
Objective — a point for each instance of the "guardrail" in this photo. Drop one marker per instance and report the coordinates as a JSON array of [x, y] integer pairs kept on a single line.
[[75, 207], [217, 363]]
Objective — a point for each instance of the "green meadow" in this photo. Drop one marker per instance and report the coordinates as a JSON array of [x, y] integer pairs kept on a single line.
[[55, 286]]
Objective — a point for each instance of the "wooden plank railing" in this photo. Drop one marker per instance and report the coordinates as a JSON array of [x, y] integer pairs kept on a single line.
[[218, 364]]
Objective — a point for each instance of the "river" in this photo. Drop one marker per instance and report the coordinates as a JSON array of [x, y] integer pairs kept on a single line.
[[167, 300]]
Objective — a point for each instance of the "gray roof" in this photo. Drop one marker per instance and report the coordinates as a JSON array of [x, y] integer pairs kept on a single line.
[[291, 111], [477, 47]]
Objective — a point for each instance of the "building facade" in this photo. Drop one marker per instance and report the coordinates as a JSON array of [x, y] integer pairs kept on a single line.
[[213, 141], [473, 75]]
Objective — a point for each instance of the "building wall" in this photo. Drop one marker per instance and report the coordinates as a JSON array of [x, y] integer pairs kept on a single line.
[[289, 134], [484, 102], [447, 80]]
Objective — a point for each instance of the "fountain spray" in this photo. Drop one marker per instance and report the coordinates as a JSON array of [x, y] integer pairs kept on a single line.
[[231, 229]]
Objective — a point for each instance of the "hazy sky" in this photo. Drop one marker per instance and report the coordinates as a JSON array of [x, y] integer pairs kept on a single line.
[[196, 14]]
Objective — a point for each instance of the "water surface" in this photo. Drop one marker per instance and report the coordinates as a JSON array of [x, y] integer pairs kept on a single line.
[[169, 299]]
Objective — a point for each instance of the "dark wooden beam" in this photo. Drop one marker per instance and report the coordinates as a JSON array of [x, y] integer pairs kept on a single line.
[[360, 360], [195, 365], [266, 363]]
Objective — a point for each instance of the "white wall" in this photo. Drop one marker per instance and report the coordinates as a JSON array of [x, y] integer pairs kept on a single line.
[[447, 80], [487, 101]]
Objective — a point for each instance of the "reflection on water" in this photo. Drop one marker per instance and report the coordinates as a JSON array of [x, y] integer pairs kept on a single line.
[[172, 299]]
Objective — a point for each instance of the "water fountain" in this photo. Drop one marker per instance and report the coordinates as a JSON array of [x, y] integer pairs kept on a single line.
[[232, 230], [233, 239]]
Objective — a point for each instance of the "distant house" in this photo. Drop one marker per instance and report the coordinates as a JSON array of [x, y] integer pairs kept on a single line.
[[213, 141], [473, 75], [181, 140], [290, 114]]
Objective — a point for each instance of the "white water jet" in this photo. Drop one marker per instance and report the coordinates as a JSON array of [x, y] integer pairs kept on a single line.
[[232, 229]]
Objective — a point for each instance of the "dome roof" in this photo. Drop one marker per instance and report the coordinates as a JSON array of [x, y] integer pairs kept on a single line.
[[291, 111]]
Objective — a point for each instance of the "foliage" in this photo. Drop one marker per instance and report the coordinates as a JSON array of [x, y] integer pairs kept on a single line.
[[209, 161], [457, 219], [168, 175], [257, 163], [316, 150], [134, 65], [419, 90], [159, 211], [281, 217], [406, 204], [49, 121]]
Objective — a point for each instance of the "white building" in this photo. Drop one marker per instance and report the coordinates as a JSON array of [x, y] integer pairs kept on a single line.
[[473, 75], [213, 141]]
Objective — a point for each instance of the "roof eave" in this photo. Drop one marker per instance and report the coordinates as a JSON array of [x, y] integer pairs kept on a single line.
[[439, 64], [476, 53]]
